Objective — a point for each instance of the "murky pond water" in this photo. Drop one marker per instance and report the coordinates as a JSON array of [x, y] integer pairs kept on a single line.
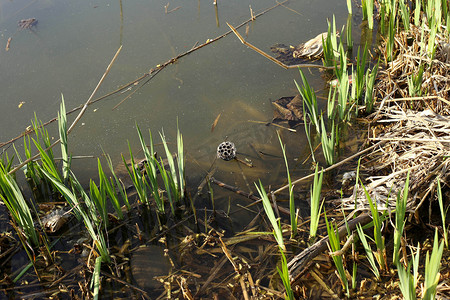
[[73, 42]]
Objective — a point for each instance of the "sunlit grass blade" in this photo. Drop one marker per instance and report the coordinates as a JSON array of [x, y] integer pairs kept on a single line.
[[110, 191], [271, 215], [284, 275], [348, 32], [443, 212], [292, 213], [309, 99], [404, 11], [17, 206], [180, 161], [173, 171], [378, 225], [369, 252], [62, 127], [137, 178], [80, 212], [432, 266], [118, 183], [98, 196], [408, 281], [415, 83], [417, 9], [316, 204], [367, 10], [308, 134], [169, 184], [335, 245], [96, 277], [400, 220], [358, 74], [328, 143], [369, 100], [349, 6]]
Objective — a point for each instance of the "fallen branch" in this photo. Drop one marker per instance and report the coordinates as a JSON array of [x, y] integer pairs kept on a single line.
[[298, 264]]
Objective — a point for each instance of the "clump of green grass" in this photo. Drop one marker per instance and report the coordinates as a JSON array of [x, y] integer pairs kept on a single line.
[[316, 204], [408, 282], [443, 212], [271, 215], [284, 275], [367, 10], [400, 212], [335, 245], [293, 214], [432, 265]]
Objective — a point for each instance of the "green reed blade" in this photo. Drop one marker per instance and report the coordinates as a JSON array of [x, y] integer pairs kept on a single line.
[[400, 221], [118, 183], [335, 245], [432, 266], [369, 252], [284, 275], [62, 127], [316, 204], [292, 214], [104, 182], [443, 212], [271, 215]]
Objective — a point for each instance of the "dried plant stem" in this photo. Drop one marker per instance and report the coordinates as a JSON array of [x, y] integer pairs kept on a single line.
[[256, 49]]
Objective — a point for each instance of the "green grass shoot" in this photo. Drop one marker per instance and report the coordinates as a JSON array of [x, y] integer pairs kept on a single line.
[[271, 215], [328, 143], [369, 252], [292, 213], [408, 281], [284, 275], [432, 265], [400, 212], [380, 254], [335, 245], [62, 127], [18, 207], [371, 76], [310, 100], [316, 203], [443, 212]]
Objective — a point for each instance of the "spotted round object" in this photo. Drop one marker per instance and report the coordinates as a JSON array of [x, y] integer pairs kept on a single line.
[[226, 151]]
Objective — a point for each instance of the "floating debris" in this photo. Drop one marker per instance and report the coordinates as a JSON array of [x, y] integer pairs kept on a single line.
[[226, 151], [288, 109], [27, 23], [8, 43], [312, 48], [55, 220]]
